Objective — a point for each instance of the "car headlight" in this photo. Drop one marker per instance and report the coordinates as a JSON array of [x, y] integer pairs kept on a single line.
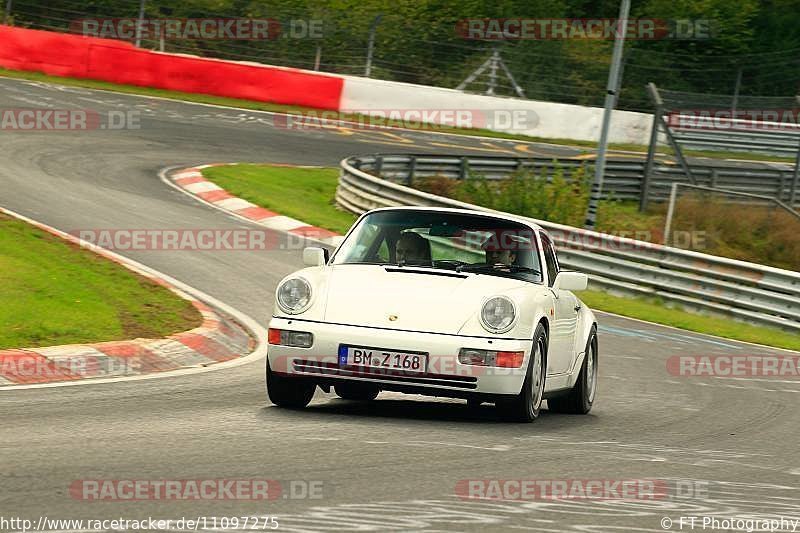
[[498, 314], [294, 295]]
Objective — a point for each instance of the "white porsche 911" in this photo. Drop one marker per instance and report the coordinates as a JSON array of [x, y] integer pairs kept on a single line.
[[440, 302]]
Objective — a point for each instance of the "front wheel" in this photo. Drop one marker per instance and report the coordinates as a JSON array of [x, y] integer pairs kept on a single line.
[[294, 393], [581, 397], [525, 407]]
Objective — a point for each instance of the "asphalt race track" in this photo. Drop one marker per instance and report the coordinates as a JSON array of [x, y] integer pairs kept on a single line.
[[389, 465]]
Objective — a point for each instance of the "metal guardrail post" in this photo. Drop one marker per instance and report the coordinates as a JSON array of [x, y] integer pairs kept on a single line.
[[412, 167], [378, 168], [651, 150], [713, 178], [463, 168]]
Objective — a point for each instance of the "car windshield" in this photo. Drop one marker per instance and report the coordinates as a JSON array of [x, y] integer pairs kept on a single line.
[[453, 241]]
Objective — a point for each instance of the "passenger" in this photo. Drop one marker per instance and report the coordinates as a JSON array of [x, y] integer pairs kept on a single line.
[[413, 248]]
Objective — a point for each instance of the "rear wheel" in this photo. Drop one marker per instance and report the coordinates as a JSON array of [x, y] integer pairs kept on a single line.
[[581, 397], [289, 391], [356, 391], [525, 407]]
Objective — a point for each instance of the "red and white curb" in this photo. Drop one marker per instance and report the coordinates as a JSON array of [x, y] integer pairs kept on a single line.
[[224, 335], [192, 181]]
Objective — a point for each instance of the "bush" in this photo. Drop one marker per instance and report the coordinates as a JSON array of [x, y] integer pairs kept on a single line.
[[759, 234], [561, 198]]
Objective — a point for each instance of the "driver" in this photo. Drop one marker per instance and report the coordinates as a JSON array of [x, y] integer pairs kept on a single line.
[[500, 249], [412, 248], [501, 257]]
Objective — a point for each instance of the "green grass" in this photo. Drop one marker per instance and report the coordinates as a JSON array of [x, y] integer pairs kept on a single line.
[[655, 310], [281, 108], [307, 194], [302, 193], [53, 292]]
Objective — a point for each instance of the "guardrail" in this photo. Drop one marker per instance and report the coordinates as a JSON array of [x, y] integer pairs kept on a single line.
[[766, 125], [778, 142], [624, 178], [745, 291]]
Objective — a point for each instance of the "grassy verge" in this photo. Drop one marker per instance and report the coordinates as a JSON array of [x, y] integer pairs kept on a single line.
[[307, 194], [302, 193], [280, 108], [653, 310], [53, 292]]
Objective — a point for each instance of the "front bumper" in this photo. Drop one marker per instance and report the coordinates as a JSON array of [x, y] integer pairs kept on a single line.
[[444, 375]]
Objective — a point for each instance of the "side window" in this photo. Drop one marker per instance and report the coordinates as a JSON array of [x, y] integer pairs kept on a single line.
[[550, 259]]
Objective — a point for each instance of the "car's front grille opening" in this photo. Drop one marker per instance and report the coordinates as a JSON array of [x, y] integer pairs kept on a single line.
[[397, 376]]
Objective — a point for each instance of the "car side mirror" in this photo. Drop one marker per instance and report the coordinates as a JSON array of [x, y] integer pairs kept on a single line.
[[571, 281], [315, 256]]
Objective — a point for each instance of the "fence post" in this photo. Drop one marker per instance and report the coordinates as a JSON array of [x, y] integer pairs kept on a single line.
[[7, 12], [139, 24], [371, 45], [737, 87], [651, 150], [318, 57], [795, 179], [673, 195]]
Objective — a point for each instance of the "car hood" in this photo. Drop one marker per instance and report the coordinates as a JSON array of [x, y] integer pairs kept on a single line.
[[407, 298]]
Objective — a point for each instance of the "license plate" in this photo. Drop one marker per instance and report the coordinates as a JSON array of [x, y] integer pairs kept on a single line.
[[378, 358]]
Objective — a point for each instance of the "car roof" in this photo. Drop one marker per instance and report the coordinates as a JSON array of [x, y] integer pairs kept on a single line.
[[489, 214]]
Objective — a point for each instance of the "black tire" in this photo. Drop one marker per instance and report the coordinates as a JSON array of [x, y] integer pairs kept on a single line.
[[290, 392], [526, 406], [356, 391], [581, 397]]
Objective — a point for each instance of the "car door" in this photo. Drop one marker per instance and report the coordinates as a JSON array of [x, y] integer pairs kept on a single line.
[[564, 319]]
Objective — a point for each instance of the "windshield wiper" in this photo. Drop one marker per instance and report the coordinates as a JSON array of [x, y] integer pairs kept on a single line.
[[496, 268]]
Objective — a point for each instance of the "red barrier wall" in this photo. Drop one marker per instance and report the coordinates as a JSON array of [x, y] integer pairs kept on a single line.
[[63, 54]]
